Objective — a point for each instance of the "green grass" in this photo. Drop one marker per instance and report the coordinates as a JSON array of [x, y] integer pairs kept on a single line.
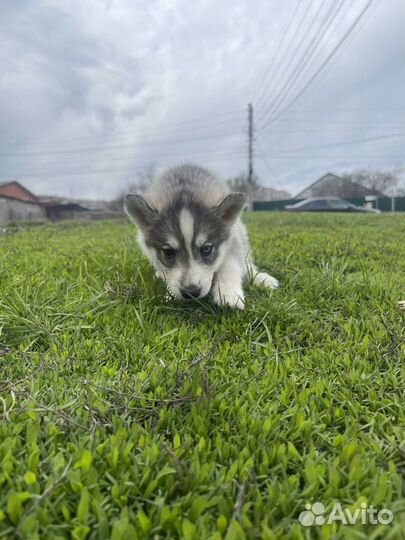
[[126, 417]]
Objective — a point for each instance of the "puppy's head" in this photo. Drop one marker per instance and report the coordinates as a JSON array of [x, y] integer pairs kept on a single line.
[[185, 241]]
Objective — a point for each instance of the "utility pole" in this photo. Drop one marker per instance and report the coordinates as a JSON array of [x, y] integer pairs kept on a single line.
[[250, 157]]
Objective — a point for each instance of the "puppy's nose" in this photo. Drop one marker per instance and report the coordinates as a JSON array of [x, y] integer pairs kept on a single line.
[[190, 292]]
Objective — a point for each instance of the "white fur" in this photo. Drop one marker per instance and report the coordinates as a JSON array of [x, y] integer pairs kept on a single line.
[[263, 279], [186, 222], [173, 242], [200, 240], [228, 287], [202, 276]]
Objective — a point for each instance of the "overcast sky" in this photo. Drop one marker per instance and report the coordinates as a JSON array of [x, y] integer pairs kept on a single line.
[[93, 91]]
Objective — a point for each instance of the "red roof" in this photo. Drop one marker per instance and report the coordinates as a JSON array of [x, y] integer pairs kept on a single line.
[[14, 190]]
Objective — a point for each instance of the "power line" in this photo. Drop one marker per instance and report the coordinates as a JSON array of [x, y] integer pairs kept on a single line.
[[262, 86], [316, 130], [125, 158], [271, 100], [286, 157], [345, 143], [132, 170], [353, 109], [238, 152], [210, 135], [334, 121], [114, 158], [104, 148], [141, 132], [289, 47], [306, 56], [303, 157], [326, 61], [346, 44], [159, 133], [271, 169]]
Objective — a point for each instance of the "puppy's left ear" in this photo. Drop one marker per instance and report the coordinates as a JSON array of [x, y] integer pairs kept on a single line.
[[230, 208]]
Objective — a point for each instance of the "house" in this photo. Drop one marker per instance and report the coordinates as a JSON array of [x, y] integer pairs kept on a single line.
[[18, 204], [15, 190], [89, 204], [262, 193], [56, 212], [331, 185], [59, 208]]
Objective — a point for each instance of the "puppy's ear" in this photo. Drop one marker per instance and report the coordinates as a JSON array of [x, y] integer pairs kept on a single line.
[[231, 207], [139, 210]]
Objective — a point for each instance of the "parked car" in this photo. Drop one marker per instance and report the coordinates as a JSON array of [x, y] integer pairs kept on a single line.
[[328, 204]]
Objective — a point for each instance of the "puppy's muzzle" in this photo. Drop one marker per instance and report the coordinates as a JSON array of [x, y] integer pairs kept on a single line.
[[190, 292]]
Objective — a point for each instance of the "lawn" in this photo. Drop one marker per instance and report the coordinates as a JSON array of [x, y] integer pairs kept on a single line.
[[125, 416]]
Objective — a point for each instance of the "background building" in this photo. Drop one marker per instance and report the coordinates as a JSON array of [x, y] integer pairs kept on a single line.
[[18, 204], [332, 185]]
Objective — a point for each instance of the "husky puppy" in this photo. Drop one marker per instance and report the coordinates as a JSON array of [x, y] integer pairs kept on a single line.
[[189, 227]]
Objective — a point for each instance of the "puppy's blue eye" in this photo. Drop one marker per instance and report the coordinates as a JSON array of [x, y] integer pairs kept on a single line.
[[168, 253], [206, 250]]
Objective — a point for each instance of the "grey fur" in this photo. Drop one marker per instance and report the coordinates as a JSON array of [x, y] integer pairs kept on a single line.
[[186, 213]]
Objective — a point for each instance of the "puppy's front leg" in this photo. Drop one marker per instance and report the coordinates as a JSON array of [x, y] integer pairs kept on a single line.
[[227, 289]]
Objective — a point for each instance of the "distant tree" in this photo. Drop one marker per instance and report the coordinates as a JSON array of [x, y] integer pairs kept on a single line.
[[260, 193], [142, 180], [240, 182], [383, 180]]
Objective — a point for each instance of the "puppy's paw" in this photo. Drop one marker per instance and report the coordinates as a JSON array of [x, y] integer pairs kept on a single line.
[[225, 296], [169, 296], [265, 280]]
